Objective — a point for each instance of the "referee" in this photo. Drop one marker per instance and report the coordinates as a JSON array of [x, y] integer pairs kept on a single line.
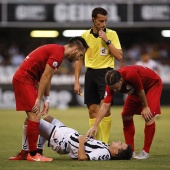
[[104, 47]]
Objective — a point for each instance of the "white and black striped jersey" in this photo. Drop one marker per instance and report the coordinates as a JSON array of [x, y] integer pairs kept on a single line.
[[65, 140]]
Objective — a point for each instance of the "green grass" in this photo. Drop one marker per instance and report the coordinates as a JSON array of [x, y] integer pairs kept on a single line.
[[77, 117]]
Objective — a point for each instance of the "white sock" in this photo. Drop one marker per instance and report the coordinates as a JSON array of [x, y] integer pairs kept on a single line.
[[41, 142], [24, 139]]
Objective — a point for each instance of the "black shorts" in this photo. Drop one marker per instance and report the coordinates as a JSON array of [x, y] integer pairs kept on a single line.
[[94, 87]]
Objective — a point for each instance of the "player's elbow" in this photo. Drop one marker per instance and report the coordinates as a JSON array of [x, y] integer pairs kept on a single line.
[[82, 158], [119, 55]]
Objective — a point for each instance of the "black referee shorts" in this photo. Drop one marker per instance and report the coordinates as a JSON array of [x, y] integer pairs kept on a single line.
[[94, 87]]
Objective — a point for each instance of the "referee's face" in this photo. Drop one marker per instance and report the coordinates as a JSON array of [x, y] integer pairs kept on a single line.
[[100, 22]]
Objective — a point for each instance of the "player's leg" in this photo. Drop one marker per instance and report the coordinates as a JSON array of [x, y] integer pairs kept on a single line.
[[22, 155], [19, 91], [153, 98], [130, 108], [32, 134], [45, 128], [53, 121], [25, 96]]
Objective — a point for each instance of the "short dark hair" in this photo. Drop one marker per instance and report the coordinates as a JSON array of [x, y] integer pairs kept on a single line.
[[112, 77], [98, 10], [124, 154], [79, 41]]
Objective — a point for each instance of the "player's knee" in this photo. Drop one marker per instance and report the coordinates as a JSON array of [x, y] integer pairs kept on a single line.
[[126, 118], [48, 118], [93, 109]]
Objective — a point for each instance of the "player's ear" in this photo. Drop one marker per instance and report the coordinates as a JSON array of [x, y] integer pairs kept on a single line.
[[75, 50], [115, 152]]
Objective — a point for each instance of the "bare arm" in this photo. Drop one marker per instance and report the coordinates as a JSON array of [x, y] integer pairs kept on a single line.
[[146, 113], [47, 90], [78, 67], [44, 87], [101, 113], [117, 53], [81, 150]]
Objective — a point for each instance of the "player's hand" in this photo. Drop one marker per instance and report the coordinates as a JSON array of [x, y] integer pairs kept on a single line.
[[102, 35], [146, 114], [83, 139], [36, 107], [45, 108], [92, 132]]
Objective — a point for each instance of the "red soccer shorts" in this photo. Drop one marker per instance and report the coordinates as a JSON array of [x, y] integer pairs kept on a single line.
[[25, 95], [133, 103]]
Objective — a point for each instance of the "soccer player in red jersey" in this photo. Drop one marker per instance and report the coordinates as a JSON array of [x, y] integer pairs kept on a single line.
[[144, 88], [32, 82]]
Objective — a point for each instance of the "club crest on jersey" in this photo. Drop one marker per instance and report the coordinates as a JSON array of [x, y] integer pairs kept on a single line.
[[55, 64], [129, 89]]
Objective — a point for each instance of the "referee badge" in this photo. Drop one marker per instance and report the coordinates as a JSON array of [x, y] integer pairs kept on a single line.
[[104, 51]]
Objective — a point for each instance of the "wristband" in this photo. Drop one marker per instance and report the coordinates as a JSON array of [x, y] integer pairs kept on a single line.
[[46, 98]]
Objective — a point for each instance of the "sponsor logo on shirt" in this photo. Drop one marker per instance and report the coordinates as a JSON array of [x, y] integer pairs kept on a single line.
[[55, 64]]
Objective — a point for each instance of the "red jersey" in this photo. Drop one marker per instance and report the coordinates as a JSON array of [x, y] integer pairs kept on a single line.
[[136, 78], [33, 66]]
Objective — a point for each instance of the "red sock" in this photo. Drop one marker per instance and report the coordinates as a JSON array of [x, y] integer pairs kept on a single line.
[[129, 132], [149, 134], [32, 134]]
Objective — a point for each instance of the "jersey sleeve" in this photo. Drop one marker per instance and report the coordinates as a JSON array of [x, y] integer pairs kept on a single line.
[[115, 41], [56, 56], [99, 154], [55, 64], [108, 95]]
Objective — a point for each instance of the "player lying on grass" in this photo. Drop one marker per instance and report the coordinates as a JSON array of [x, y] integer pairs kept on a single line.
[[65, 140]]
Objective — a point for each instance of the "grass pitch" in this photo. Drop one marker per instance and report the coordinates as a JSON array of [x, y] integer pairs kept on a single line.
[[11, 123]]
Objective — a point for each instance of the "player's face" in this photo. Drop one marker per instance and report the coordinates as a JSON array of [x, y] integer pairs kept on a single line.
[[117, 86], [100, 22], [116, 146], [76, 55]]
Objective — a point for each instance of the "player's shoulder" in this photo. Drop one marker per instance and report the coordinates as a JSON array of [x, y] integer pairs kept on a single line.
[[54, 46], [129, 69]]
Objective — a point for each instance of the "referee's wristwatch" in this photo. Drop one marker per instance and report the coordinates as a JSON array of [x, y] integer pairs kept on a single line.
[[108, 42]]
